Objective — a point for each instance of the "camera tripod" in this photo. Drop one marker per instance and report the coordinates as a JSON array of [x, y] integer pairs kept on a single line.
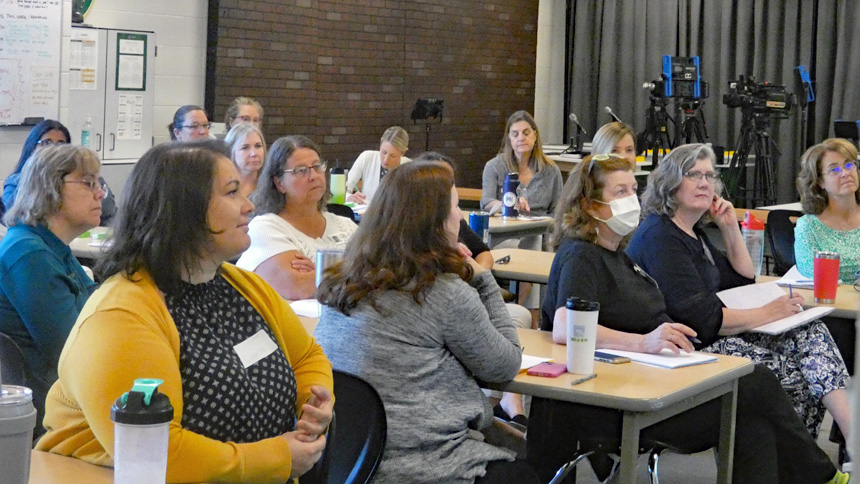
[[754, 138], [691, 122], [656, 134]]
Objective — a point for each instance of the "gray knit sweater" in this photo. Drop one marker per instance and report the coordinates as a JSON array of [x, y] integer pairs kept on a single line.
[[423, 360]]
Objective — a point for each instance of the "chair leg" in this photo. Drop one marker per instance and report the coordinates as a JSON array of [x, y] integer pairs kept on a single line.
[[564, 470], [653, 460]]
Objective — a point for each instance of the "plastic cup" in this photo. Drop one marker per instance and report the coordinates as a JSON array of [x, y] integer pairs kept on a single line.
[[141, 431], [825, 277], [581, 335], [17, 420], [325, 258]]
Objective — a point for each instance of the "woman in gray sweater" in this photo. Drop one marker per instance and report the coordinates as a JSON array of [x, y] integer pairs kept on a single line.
[[419, 320]]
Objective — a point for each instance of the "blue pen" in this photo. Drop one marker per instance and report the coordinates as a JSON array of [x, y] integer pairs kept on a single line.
[[790, 292], [694, 340]]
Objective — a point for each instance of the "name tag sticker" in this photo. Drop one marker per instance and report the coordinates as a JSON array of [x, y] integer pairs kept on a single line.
[[255, 348]]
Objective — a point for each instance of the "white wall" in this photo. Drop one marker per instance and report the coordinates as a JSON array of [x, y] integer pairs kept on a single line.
[[180, 67], [549, 110]]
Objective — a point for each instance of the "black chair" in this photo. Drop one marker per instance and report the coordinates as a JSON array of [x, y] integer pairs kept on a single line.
[[780, 235], [356, 438], [342, 210], [13, 366]]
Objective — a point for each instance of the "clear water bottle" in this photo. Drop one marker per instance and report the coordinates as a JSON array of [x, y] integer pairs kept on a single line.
[[141, 426], [753, 232], [87, 132]]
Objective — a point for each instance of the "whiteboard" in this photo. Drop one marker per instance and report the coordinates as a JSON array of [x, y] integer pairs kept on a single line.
[[30, 44]]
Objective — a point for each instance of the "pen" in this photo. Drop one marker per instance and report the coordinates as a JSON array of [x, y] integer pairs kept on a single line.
[[694, 340], [583, 379], [790, 291]]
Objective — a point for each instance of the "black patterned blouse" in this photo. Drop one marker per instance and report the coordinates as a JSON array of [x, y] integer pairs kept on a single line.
[[222, 399]]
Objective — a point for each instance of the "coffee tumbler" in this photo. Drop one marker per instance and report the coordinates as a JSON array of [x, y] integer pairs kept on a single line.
[[509, 195], [141, 428], [825, 276], [17, 420], [581, 335], [325, 258]]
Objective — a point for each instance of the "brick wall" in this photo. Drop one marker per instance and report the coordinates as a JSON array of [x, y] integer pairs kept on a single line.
[[342, 72]]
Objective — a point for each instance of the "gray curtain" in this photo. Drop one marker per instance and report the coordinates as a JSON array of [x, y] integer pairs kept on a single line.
[[616, 45]]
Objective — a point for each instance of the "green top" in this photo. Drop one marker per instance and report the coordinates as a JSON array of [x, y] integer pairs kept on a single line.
[[812, 235]]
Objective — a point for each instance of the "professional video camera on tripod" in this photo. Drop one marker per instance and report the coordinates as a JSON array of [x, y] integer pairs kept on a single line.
[[681, 79], [760, 103]]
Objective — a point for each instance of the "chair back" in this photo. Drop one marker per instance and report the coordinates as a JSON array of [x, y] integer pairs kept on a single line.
[[341, 210], [13, 366], [356, 438], [780, 234]]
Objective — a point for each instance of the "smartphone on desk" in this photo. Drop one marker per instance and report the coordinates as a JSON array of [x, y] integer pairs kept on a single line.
[[547, 369], [610, 358]]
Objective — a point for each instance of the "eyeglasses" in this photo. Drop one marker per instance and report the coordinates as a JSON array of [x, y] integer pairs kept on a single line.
[[503, 260], [837, 170], [304, 171], [95, 186], [196, 127], [49, 142], [696, 176], [602, 157]]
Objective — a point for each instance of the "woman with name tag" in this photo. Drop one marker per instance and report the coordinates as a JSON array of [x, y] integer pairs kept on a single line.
[[598, 209], [291, 221], [408, 313], [829, 190], [673, 248], [251, 390]]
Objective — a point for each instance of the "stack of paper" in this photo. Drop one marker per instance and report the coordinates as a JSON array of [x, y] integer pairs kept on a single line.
[[757, 295], [794, 278], [666, 359]]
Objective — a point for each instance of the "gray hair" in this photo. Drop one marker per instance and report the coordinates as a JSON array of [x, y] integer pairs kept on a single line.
[[238, 134], [663, 183], [398, 137], [40, 191], [233, 110], [266, 197]]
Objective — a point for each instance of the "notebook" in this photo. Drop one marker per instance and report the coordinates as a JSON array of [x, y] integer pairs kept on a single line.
[[666, 359]]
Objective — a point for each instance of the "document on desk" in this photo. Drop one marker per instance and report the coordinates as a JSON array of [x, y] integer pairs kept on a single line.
[[757, 295], [795, 279], [529, 361], [666, 359]]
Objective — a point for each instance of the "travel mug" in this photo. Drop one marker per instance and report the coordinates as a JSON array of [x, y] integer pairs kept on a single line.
[[480, 223], [825, 276], [17, 420], [509, 195], [325, 258], [141, 426], [581, 335]]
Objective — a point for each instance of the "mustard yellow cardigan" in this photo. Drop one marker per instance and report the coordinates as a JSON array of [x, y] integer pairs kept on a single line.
[[125, 332]]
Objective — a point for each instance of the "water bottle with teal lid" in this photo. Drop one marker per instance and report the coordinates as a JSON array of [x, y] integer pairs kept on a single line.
[[141, 419]]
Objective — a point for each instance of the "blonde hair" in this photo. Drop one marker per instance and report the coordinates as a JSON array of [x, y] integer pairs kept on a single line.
[[398, 137], [813, 198], [609, 135], [238, 134]]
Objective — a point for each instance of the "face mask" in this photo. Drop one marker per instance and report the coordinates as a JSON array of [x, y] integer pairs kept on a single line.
[[625, 215]]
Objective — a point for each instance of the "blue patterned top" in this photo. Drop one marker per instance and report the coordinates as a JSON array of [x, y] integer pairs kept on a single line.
[[812, 235]]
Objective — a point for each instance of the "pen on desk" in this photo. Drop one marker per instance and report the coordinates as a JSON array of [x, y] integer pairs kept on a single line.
[[583, 379]]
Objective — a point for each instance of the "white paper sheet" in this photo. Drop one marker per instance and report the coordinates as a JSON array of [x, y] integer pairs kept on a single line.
[[751, 296], [666, 359]]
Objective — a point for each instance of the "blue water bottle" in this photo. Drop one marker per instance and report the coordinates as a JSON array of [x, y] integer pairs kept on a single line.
[[509, 195]]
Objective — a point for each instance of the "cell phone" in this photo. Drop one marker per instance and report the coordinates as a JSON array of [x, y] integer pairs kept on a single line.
[[547, 369], [610, 358]]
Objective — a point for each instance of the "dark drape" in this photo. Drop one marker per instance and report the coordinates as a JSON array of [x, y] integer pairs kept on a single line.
[[616, 45]]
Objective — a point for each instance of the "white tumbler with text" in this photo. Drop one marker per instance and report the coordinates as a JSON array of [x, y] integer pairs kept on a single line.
[[581, 335]]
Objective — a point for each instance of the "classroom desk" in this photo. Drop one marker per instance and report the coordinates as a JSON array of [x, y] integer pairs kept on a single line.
[[845, 306], [643, 394], [502, 229], [525, 265], [81, 247], [785, 206], [46, 468]]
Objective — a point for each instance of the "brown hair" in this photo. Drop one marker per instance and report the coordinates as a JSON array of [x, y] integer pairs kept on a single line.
[[585, 183], [813, 198], [401, 242], [537, 161]]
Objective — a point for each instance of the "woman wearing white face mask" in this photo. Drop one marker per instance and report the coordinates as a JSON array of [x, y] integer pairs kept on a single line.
[[672, 247]]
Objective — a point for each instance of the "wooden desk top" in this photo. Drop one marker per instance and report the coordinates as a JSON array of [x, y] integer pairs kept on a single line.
[[845, 306], [759, 214], [525, 265], [629, 386], [46, 468], [469, 194]]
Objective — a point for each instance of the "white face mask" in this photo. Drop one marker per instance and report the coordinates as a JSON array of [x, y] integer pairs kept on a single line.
[[625, 215]]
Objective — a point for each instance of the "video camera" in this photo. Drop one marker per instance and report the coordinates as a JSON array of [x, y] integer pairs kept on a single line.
[[681, 78], [760, 97]]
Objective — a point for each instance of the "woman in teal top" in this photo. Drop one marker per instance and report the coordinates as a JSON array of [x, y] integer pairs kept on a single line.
[[830, 196]]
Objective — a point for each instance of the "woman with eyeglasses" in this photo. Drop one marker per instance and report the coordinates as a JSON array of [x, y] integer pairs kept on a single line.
[[830, 197], [244, 110], [671, 245], [189, 123], [42, 285], [48, 133], [291, 221], [597, 211]]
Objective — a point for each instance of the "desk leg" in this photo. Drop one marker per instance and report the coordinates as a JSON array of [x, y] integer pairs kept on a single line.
[[728, 411], [629, 448]]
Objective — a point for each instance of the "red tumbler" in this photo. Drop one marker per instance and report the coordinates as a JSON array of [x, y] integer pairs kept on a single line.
[[825, 276]]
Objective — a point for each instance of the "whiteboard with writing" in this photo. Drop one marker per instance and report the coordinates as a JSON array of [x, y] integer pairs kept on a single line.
[[30, 44]]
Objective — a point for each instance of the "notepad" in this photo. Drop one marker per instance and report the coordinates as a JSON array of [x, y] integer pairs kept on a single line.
[[666, 359], [757, 295], [795, 279], [782, 325], [529, 361]]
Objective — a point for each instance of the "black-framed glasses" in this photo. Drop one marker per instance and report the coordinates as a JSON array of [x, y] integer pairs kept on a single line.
[[49, 142], [196, 127], [304, 171], [503, 260], [697, 176], [837, 170], [94, 185], [602, 157]]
